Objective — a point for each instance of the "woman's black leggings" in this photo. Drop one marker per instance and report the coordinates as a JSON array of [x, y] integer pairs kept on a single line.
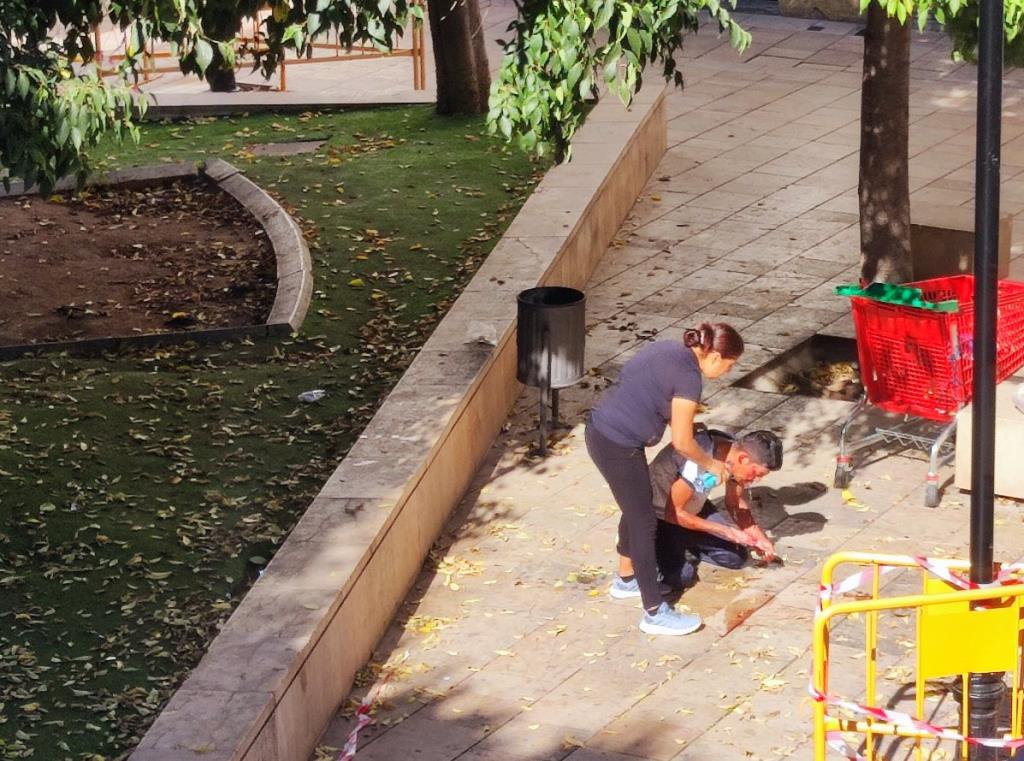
[[625, 470]]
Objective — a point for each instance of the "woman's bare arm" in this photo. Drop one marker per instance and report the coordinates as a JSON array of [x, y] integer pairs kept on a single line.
[[683, 413]]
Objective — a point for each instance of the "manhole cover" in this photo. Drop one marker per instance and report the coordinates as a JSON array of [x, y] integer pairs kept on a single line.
[[822, 366]]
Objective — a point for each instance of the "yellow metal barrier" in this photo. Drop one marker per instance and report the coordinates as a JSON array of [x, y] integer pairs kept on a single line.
[[954, 637]]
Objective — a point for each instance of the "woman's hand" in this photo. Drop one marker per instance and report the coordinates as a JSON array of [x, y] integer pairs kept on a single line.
[[720, 470]]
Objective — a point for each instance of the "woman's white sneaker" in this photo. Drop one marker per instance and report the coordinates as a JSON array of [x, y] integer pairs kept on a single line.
[[666, 620], [622, 590]]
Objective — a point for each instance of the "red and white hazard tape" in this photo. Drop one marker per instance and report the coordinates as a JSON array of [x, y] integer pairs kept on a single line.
[[850, 583], [901, 719], [835, 741], [1005, 577], [363, 718]]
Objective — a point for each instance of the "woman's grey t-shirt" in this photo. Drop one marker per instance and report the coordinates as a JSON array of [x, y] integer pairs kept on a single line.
[[635, 411]]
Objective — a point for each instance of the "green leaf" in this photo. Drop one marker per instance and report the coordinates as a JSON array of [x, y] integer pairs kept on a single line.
[[633, 39], [505, 126], [922, 18], [604, 14], [204, 54], [227, 52], [133, 46], [611, 69], [738, 37]]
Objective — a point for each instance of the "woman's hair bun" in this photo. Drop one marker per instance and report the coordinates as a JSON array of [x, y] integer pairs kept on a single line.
[[718, 336], [700, 337]]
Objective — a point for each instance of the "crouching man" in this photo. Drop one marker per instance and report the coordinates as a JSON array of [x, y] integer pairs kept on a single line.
[[690, 527]]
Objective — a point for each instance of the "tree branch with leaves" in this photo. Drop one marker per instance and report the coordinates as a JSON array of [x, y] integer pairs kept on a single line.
[[55, 106], [563, 52], [55, 103]]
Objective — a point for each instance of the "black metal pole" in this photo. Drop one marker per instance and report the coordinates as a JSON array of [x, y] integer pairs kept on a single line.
[[985, 689], [986, 242]]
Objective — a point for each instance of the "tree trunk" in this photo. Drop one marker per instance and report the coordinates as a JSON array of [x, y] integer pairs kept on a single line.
[[460, 58], [884, 188], [221, 79], [222, 22]]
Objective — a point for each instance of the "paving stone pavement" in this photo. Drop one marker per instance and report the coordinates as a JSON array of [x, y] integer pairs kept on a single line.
[[508, 646]]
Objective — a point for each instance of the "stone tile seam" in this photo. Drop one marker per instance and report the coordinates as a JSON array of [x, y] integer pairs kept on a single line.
[[796, 180], [723, 641], [767, 76]]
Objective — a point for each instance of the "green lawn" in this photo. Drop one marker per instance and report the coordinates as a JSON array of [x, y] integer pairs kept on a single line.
[[142, 491]]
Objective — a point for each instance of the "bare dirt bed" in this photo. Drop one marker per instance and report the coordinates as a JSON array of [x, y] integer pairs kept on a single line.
[[119, 262]]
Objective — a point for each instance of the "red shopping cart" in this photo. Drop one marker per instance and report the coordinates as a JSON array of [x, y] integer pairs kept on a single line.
[[915, 344]]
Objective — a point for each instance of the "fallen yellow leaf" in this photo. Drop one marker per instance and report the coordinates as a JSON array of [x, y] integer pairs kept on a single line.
[[851, 501]]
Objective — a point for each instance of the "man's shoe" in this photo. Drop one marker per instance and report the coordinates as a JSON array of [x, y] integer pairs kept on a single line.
[[622, 590], [687, 576], [666, 620]]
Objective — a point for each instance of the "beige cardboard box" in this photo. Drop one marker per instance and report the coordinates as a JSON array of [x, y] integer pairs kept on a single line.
[[1009, 475], [942, 241]]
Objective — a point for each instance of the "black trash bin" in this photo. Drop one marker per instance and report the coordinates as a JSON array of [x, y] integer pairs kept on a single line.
[[550, 341]]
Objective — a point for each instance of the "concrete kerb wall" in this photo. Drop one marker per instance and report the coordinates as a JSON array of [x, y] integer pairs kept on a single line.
[[294, 266], [284, 661], [191, 105]]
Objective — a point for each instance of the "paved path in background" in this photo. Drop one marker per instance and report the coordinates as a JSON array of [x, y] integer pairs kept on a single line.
[[353, 82], [508, 648]]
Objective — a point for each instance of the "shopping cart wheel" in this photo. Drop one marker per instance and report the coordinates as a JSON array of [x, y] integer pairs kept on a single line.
[[843, 476], [931, 495]]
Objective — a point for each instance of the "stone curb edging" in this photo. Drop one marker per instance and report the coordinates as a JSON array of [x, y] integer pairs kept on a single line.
[[285, 660], [133, 177], [294, 266], [188, 105]]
